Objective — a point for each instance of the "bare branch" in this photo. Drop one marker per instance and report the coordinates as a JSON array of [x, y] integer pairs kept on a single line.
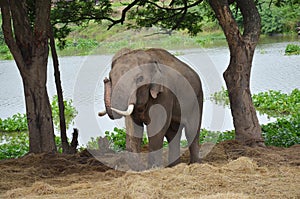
[[186, 6], [182, 10], [123, 16]]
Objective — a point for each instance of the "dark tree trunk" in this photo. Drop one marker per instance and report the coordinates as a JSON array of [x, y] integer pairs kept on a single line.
[[66, 148], [237, 75], [29, 46]]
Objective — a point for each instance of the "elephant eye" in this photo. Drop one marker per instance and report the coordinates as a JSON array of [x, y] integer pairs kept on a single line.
[[139, 79]]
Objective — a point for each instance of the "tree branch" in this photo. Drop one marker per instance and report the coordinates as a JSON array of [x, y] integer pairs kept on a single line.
[[8, 33], [170, 8], [123, 15], [251, 19], [226, 21], [178, 22]]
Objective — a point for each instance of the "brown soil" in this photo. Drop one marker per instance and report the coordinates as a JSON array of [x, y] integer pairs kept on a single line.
[[228, 171]]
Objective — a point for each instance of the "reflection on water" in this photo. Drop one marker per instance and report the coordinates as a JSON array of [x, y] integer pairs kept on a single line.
[[271, 70]]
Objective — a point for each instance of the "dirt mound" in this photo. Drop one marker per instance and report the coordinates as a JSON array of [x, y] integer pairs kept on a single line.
[[229, 170]]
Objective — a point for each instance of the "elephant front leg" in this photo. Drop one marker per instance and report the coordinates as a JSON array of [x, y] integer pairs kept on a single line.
[[173, 136], [134, 135], [155, 157]]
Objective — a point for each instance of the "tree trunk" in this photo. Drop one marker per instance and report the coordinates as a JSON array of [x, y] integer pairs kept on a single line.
[[66, 148], [237, 75], [39, 115], [28, 43]]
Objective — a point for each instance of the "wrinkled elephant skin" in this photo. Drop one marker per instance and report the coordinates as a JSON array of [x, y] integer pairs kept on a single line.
[[164, 94]]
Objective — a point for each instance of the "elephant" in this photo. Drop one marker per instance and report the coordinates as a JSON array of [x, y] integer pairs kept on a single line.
[[153, 88]]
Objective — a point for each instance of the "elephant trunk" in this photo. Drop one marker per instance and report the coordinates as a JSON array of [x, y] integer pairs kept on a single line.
[[107, 97], [107, 100]]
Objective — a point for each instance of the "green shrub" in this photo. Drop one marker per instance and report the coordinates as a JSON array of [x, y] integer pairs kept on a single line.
[[17, 122], [118, 139], [282, 133], [220, 97], [14, 146], [93, 143], [5, 53], [78, 47], [70, 112], [285, 107], [14, 142], [292, 49], [215, 136], [271, 21]]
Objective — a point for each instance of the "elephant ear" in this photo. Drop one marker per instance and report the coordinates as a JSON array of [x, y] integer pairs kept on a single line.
[[157, 82]]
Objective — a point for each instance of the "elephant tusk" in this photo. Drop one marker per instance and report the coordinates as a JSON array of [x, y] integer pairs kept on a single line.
[[102, 113], [124, 113]]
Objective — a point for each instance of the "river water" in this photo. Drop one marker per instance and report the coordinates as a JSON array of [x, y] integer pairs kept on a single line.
[[82, 82]]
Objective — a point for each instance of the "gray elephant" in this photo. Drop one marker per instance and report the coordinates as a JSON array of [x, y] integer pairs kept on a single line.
[[152, 87]]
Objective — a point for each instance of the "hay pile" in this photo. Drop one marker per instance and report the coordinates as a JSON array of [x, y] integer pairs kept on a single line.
[[229, 171]]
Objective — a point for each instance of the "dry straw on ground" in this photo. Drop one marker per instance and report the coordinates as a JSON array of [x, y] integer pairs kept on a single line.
[[229, 171]]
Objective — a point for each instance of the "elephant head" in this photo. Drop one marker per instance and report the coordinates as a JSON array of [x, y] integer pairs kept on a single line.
[[130, 83]]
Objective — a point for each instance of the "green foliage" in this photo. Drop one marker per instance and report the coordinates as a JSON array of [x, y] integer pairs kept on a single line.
[[93, 143], [220, 97], [4, 52], [292, 49], [149, 15], [79, 47], [118, 139], [285, 131], [70, 112], [271, 21], [58, 145], [211, 39], [14, 146], [16, 123], [78, 12], [2, 42], [279, 16], [215, 136], [277, 104]]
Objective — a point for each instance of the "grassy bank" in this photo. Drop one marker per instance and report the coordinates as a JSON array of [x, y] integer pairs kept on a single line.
[[95, 39]]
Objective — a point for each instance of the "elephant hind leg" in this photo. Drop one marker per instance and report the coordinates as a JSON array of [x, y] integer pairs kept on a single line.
[[192, 135], [173, 136]]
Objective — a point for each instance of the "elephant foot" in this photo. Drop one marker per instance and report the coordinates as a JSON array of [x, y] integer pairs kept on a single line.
[[135, 162], [174, 163], [195, 160]]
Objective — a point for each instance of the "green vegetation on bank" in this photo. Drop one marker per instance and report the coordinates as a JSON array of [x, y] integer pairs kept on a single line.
[[18, 122], [14, 140], [278, 17], [292, 49], [70, 112], [285, 131]]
